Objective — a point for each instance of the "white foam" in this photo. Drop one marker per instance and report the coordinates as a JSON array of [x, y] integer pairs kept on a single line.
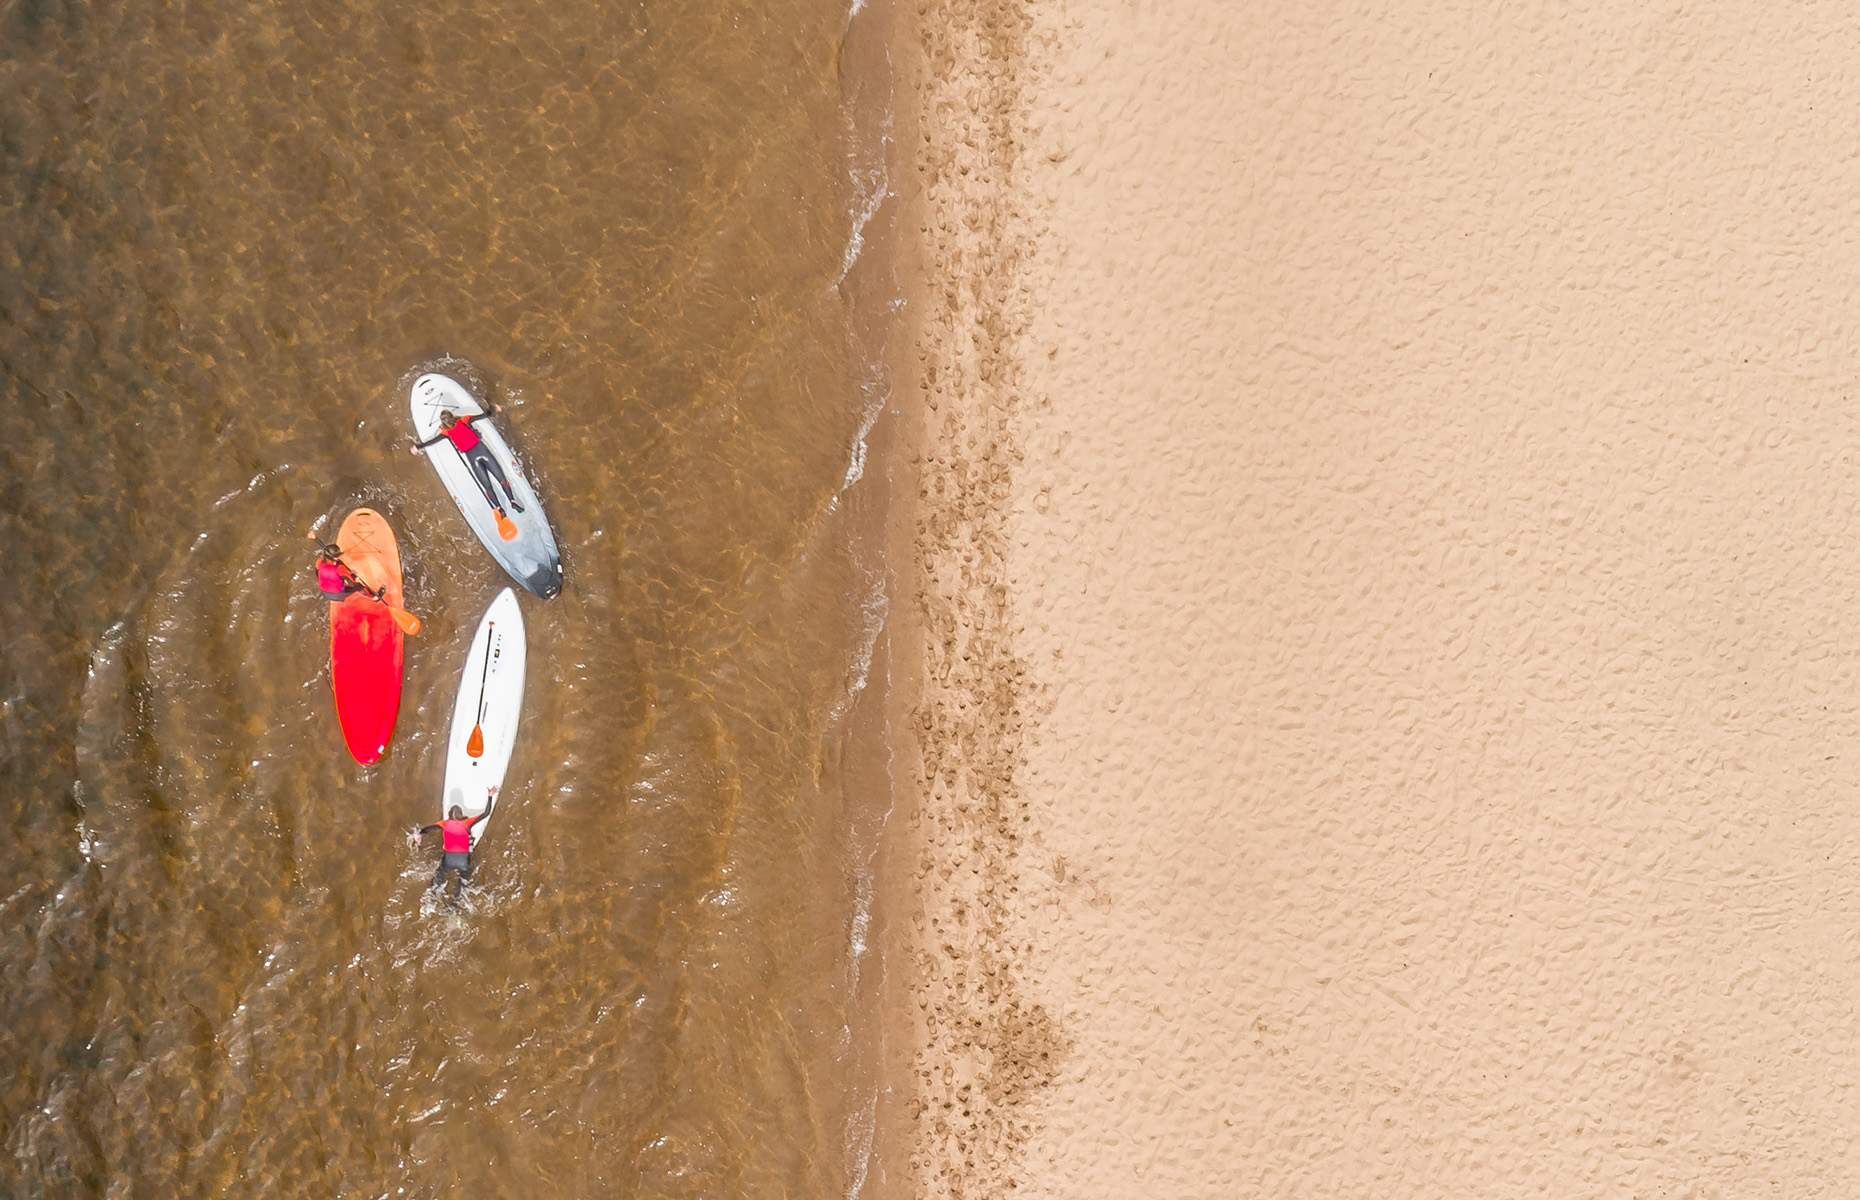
[[876, 387], [872, 612], [862, 1118], [869, 168], [869, 151], [875, 182]]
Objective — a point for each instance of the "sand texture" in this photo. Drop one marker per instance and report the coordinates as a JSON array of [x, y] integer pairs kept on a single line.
[[1388, 589]]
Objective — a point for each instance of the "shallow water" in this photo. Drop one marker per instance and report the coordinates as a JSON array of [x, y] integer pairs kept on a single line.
[[230, 235]]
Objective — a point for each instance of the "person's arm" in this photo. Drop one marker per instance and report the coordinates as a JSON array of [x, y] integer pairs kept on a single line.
[[357, 583], [481, 816], [431, 441]]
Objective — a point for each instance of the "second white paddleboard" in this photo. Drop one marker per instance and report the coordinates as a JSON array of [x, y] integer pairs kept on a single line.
[[490, 702]]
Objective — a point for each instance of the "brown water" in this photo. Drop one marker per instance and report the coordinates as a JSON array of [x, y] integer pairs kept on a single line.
[[230, 233]]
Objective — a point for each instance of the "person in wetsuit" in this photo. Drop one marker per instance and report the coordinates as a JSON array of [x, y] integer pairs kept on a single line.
[[335, 578], [477, 455], [455, 840]]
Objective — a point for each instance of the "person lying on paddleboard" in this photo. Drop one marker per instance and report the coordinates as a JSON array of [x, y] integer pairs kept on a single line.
[[477, 455], [455, 839], [335, 578]]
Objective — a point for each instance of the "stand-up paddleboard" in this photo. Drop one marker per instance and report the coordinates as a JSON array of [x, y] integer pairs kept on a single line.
[[366, 647], [484, 720], [530, 556]]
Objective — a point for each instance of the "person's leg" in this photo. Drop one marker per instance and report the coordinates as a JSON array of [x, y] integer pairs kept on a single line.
[[439, 873], [456, 861], [481, 466], [497, 470]]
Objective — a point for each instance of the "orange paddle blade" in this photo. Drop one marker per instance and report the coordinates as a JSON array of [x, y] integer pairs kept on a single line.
[[474, 745], [506, 528], [409, 624]]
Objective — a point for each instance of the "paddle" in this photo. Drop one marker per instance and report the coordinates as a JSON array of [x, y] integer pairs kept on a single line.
[[506, 528], [409, 623], [474, 745]]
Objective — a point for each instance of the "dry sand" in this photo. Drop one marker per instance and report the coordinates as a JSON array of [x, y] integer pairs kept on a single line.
[[1390, 602]]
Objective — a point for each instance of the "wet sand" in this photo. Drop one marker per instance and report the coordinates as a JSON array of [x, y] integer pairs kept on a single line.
[[1385, 577]]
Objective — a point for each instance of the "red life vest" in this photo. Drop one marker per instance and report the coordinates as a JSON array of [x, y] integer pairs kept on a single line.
[[456, 835], [329, 578], [462, 436]]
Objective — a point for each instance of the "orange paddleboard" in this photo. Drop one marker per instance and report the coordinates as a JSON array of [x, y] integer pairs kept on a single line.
[[366, 647]]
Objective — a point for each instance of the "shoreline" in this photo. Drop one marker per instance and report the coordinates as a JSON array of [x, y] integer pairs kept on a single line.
[[874, 290]]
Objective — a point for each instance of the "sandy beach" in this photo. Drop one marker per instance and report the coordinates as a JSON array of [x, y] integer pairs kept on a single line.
[[1385, 565]]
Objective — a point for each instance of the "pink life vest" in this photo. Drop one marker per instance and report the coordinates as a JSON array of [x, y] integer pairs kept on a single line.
[[455, 836], [329, 578]]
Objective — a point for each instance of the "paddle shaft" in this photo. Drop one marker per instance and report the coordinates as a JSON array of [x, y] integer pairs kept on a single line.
[[485, 674]]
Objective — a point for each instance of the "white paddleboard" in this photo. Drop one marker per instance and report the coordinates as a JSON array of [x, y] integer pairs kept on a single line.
[[491, 700], [531, 557]]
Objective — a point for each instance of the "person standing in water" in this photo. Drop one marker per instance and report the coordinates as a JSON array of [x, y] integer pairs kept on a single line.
[[477, 455], [455, 841]]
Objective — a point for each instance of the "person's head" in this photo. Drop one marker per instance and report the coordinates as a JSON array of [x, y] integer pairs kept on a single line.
[[458, 814], [447, 420], [331, 552]]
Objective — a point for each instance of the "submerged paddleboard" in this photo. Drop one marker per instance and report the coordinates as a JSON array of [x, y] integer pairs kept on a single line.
[[490, 701], [530, 556], [366, 647]]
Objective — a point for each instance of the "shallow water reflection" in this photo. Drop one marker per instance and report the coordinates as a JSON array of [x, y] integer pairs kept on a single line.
[[229, 234]]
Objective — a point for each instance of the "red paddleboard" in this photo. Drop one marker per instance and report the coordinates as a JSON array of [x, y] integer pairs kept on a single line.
[[365, 645]]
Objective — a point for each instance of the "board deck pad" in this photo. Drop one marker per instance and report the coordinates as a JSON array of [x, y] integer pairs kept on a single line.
[[530, 558], [366, 648], [491, 699]]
